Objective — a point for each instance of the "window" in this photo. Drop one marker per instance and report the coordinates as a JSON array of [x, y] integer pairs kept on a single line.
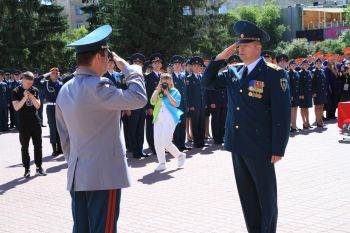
[[78, 10]]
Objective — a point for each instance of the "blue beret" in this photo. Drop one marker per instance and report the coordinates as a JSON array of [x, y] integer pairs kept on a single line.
[[281, 57], [177, 59], [156, 57], [234, 58], [137, 57], [95, 40], [196, 60], [248, 32]]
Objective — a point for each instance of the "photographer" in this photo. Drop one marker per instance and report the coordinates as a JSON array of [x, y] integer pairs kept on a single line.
[[166, 98], [25, 100], [345, 80]]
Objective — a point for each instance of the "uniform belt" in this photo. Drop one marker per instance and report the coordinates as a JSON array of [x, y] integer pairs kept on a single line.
[[50, 103]]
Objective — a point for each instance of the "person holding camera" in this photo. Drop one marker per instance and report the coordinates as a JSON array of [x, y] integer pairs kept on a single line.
[[166, 115], [25, 100]]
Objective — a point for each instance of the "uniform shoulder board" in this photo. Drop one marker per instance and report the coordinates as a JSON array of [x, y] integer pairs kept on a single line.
[[273, 66]]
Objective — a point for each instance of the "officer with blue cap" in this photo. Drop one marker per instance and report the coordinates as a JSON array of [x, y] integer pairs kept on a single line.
[[152, 81], [88, 111], [257, 125], [179, 138]]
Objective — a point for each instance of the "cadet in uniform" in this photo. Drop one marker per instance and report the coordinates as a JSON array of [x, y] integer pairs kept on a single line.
[[3, 103], [305, 93], [282, 60], [88, 114], [196, 102], [257, 125], [319, 91], [12, 84], [179, 138], [267, 55], [50, 88], [152, 81], [294, 80], [136, 127]]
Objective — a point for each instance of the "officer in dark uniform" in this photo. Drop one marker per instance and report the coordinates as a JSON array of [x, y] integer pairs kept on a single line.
[[268, 55], [51, 88], [12, 84], [305, 93], [179, 138], [282, 60], [319, 91], [257, 125], [196, 102], [217, 102], [136, 118], [234, 59], [3, 102], [294, 82], [151, 81]]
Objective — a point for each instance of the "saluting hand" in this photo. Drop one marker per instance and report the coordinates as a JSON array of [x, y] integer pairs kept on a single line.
[[228, 52]]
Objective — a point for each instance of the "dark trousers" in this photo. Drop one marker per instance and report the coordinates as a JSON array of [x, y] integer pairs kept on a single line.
[[125, 120], [218, 119], [198, 126], [136, 130], [13, 116], [25, 133], [257, 189], [179, 138], [41, 109], [4, 118], [149, 133], [51, 118], [95, 211]]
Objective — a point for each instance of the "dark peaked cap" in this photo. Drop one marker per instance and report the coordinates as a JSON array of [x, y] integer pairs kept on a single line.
[[248, 32]]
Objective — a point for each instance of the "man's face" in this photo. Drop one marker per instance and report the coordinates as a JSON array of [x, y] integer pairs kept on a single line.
[[17, 76], [305, 66], [111, 65], [283, 64], [249, 51], [177, 67], [318, 65], [189, 68], [54, 76], [268, 58], [292, 66], [157, 65], [196, 68], [27, 83]]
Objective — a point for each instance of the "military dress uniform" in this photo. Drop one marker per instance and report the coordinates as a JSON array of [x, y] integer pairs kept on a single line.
[[196, 99], [179, 138], [88, 113], [319, 87], [50, 90], [4, 106], [305, 88], [151, 81], [257, 127], [294, 82], [136, 126]]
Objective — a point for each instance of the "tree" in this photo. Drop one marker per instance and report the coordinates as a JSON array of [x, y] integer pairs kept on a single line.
[[295, 49], [267, 17], [30, 33]]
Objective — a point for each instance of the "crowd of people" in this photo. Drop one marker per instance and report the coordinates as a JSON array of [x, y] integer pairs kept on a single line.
[[319, 80]]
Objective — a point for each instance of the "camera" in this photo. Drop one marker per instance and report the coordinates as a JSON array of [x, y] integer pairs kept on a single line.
[[165, 86]]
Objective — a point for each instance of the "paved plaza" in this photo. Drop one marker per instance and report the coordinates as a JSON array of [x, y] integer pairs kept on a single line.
[[313, 189]]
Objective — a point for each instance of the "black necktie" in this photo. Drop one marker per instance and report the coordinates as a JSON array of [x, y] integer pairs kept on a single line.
[[245, 72]]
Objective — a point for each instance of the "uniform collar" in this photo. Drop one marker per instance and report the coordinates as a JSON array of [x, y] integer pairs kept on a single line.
[[252, 65], [85, 72]]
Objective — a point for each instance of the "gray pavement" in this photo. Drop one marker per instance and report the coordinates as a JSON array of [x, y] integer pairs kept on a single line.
[[313, 188]]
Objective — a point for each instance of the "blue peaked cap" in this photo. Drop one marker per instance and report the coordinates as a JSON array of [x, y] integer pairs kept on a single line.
[[95, 40]]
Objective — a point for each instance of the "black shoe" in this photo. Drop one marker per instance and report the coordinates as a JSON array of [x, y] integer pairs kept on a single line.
[[26, 173], [40, 171], [292, 130]]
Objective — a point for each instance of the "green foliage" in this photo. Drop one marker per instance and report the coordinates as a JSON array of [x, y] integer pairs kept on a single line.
[[329, 46], [30, 34], [295, 49], [267, 17]]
